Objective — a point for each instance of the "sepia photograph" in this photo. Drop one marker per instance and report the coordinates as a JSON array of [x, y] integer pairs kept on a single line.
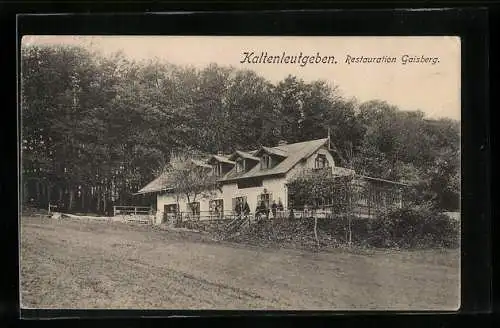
[[240, 172]]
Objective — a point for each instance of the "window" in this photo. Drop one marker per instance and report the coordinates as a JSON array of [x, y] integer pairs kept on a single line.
[[170, 211], [217, 170], [236, 200], [321, 162], [325, 202], [240, 165], [265, 162], [194, 209], [249, 183], [170, 208], [266, 198], [216, 207]]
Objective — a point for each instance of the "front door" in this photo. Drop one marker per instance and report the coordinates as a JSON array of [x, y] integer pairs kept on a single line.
[[170, 212]]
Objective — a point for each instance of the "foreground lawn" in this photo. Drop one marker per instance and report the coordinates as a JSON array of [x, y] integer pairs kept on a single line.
[[81, 264]]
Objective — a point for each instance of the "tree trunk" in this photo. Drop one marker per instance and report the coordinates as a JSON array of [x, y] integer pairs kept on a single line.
[[178, 217], [25, 192], [98, 199], [71, 199], [37, 184], [350, 230], [44, 195], [49, 194], [104, 203], [83, 200]]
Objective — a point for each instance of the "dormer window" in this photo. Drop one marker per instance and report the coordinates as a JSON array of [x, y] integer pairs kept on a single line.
[[240, 165], [265, 162], [217, 169], [321, 162]]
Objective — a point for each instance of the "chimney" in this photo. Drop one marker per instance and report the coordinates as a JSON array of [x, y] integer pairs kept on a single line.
[[282, 143]]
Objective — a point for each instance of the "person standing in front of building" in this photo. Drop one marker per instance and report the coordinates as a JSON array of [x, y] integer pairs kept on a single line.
[[260, 210], [246, 208], [239, 208], [246, 211], [274, 209], [280, 208]]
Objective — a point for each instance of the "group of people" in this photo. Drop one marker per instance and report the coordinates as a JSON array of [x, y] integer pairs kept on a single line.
[[242, 208], [216, 210], [262, 210]]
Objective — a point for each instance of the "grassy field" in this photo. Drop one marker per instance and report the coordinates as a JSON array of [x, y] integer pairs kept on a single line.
[[81, 264]]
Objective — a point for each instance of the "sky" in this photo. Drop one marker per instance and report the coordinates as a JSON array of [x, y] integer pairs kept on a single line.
[[431, 88]]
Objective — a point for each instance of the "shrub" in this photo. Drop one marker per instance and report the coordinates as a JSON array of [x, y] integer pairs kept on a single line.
[[414, 228]]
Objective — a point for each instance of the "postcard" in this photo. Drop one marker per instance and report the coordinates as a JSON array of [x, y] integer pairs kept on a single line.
[[240, 172]]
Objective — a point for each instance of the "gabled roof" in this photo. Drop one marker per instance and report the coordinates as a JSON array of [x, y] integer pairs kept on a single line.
[[200, 163], [293, 154], [162, 181], [221, 159], [158, 184], [243, 154], [271, 151], [383, 180]]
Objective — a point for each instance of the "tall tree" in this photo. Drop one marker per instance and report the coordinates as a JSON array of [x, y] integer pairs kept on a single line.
[[189, 179], [291, 93], [95, 128], [252, 112]]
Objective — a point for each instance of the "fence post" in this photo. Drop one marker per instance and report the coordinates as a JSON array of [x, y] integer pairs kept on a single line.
[[369, 201], [135, 210], [114, 210]]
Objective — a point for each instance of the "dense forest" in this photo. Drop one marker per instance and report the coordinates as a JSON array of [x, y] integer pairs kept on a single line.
[[96, 128]]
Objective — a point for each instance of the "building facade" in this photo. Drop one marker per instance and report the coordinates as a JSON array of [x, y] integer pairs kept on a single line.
[[255, 177]]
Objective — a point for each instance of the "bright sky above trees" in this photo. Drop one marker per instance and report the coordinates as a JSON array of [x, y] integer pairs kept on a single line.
[[433, 89]]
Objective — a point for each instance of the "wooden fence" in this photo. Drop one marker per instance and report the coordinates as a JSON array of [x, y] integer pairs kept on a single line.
[[139, 214], [129, 210], [301, 213]]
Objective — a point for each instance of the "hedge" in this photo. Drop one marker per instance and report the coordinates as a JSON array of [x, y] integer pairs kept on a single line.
[[415, 228], [409, 228]]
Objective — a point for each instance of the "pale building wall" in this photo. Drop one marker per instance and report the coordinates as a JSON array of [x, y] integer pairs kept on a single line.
[[309, 163], [323, 150], [229, 191], [169, 199], [275, 185], [306, 164]]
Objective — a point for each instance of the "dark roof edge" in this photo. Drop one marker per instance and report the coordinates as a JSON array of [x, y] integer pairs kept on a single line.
[[151, 191], [382, 180], [253, 177], [306, 156], [271, 151]]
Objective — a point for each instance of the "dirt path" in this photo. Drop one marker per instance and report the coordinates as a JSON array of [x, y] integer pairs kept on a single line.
[[72, 264]]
